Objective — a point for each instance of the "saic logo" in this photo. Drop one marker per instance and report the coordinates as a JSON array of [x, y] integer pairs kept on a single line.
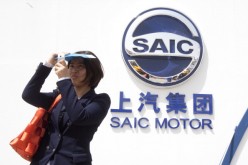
[[162, 47]]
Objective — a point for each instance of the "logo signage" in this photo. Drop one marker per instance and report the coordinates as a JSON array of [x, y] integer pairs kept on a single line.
[[162, 47]]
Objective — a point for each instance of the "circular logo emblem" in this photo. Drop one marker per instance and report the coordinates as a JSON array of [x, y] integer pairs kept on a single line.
[[162, 47]]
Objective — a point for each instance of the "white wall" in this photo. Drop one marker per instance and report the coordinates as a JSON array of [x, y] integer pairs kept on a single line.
[[31, 29]]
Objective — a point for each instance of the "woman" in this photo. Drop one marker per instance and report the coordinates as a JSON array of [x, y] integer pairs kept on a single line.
[[75, 119]]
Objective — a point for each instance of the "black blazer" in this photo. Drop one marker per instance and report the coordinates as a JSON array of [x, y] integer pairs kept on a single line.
[[73, 121]]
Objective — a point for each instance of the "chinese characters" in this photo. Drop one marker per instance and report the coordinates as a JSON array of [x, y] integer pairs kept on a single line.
[[202, 104]]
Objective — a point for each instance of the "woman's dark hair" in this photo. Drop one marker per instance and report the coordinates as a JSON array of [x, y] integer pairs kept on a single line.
[[94, 69]]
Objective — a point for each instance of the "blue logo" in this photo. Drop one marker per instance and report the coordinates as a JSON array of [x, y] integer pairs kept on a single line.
[[162, 47]]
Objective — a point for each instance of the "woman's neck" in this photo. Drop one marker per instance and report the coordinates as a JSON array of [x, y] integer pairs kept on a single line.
[[81, 91]]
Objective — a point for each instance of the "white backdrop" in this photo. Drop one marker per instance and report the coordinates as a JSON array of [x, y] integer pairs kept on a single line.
[[31, 29]]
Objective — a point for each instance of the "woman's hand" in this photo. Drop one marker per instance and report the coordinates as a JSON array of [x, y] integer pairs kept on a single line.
[[61, 69]]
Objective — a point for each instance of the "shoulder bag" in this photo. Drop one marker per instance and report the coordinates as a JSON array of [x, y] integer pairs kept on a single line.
[[27, 142]]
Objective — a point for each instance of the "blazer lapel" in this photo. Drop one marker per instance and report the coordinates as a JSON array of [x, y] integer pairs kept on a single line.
[[66, 121]]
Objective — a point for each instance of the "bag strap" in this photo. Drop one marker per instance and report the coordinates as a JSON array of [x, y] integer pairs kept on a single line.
[[57, 99]]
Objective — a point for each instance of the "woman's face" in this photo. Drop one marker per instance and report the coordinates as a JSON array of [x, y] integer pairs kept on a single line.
[[77, 72]]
